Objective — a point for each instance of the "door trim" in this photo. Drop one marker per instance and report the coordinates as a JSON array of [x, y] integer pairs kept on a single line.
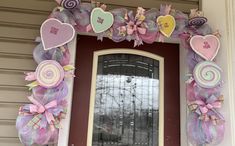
[[93, 87]]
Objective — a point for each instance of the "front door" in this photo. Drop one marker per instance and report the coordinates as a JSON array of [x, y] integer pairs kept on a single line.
[[125, 96]]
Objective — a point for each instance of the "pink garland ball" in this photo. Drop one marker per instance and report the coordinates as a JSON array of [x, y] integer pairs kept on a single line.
[[49, 74], [204, 132]]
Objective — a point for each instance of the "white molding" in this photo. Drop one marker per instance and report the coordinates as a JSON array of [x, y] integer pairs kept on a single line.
[[220, 16], [230, 23], [65, 123]]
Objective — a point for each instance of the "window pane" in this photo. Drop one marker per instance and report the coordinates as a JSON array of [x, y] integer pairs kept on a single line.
[[126, 111]]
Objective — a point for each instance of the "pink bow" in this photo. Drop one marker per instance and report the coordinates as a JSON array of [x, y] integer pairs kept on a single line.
[[132, 27], [38, 108], [167, 9], [88, 28], [58, 1], [205, 107], [135, 29], [202, 107], [30, 76], [161, 37]]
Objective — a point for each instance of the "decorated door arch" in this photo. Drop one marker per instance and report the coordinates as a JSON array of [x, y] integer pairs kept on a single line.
[[203, 85]]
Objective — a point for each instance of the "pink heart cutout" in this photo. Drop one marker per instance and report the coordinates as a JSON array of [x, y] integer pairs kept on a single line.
[[55, 33], [205, 46]]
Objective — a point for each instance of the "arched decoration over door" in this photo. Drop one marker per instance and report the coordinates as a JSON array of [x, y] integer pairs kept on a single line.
[[205, 76]]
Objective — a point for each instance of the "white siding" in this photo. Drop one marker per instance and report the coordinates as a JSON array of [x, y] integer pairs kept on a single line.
[[19, 25]]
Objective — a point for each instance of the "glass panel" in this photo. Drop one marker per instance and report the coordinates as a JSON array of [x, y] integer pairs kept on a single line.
[[126, 110]]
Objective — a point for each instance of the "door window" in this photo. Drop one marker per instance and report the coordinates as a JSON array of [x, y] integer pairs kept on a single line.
[[125, 107]]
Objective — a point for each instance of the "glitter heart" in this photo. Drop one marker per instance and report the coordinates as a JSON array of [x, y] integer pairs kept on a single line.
[[166, 24], [101, 20], [205, 46], [55, 33]]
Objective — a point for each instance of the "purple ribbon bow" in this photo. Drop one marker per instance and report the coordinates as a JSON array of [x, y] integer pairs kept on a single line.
[[38, 108], [43, 114], [135, 28], [206, 109]]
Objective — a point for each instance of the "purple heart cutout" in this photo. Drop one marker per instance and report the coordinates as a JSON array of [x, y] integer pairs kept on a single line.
[[55, 33]]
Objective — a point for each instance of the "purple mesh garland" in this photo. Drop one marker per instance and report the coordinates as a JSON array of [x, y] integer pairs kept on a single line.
[[60, 55], [43, 134], [200, 132]]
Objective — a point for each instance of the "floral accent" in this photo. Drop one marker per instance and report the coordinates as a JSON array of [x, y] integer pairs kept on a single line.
[[134, 27]]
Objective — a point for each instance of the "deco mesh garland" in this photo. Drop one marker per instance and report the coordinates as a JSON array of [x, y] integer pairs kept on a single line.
[[39, 121]]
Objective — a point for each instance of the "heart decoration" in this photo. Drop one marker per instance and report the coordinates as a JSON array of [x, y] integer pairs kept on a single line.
[[55, 33], [101, 20], [166, 24], [205, 46]]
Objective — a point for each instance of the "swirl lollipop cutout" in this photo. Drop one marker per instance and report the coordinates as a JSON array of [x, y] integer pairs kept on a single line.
[[196, 18], [207, 74], [197, 21], [70, 4], [49, 74]]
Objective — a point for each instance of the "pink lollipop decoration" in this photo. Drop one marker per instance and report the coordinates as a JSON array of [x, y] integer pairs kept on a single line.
[[49, 74], [197, 21], [196, 18], [207, 74]]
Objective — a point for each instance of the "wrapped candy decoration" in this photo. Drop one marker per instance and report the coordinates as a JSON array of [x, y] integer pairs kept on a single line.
[[49, 74], [39, 122]]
